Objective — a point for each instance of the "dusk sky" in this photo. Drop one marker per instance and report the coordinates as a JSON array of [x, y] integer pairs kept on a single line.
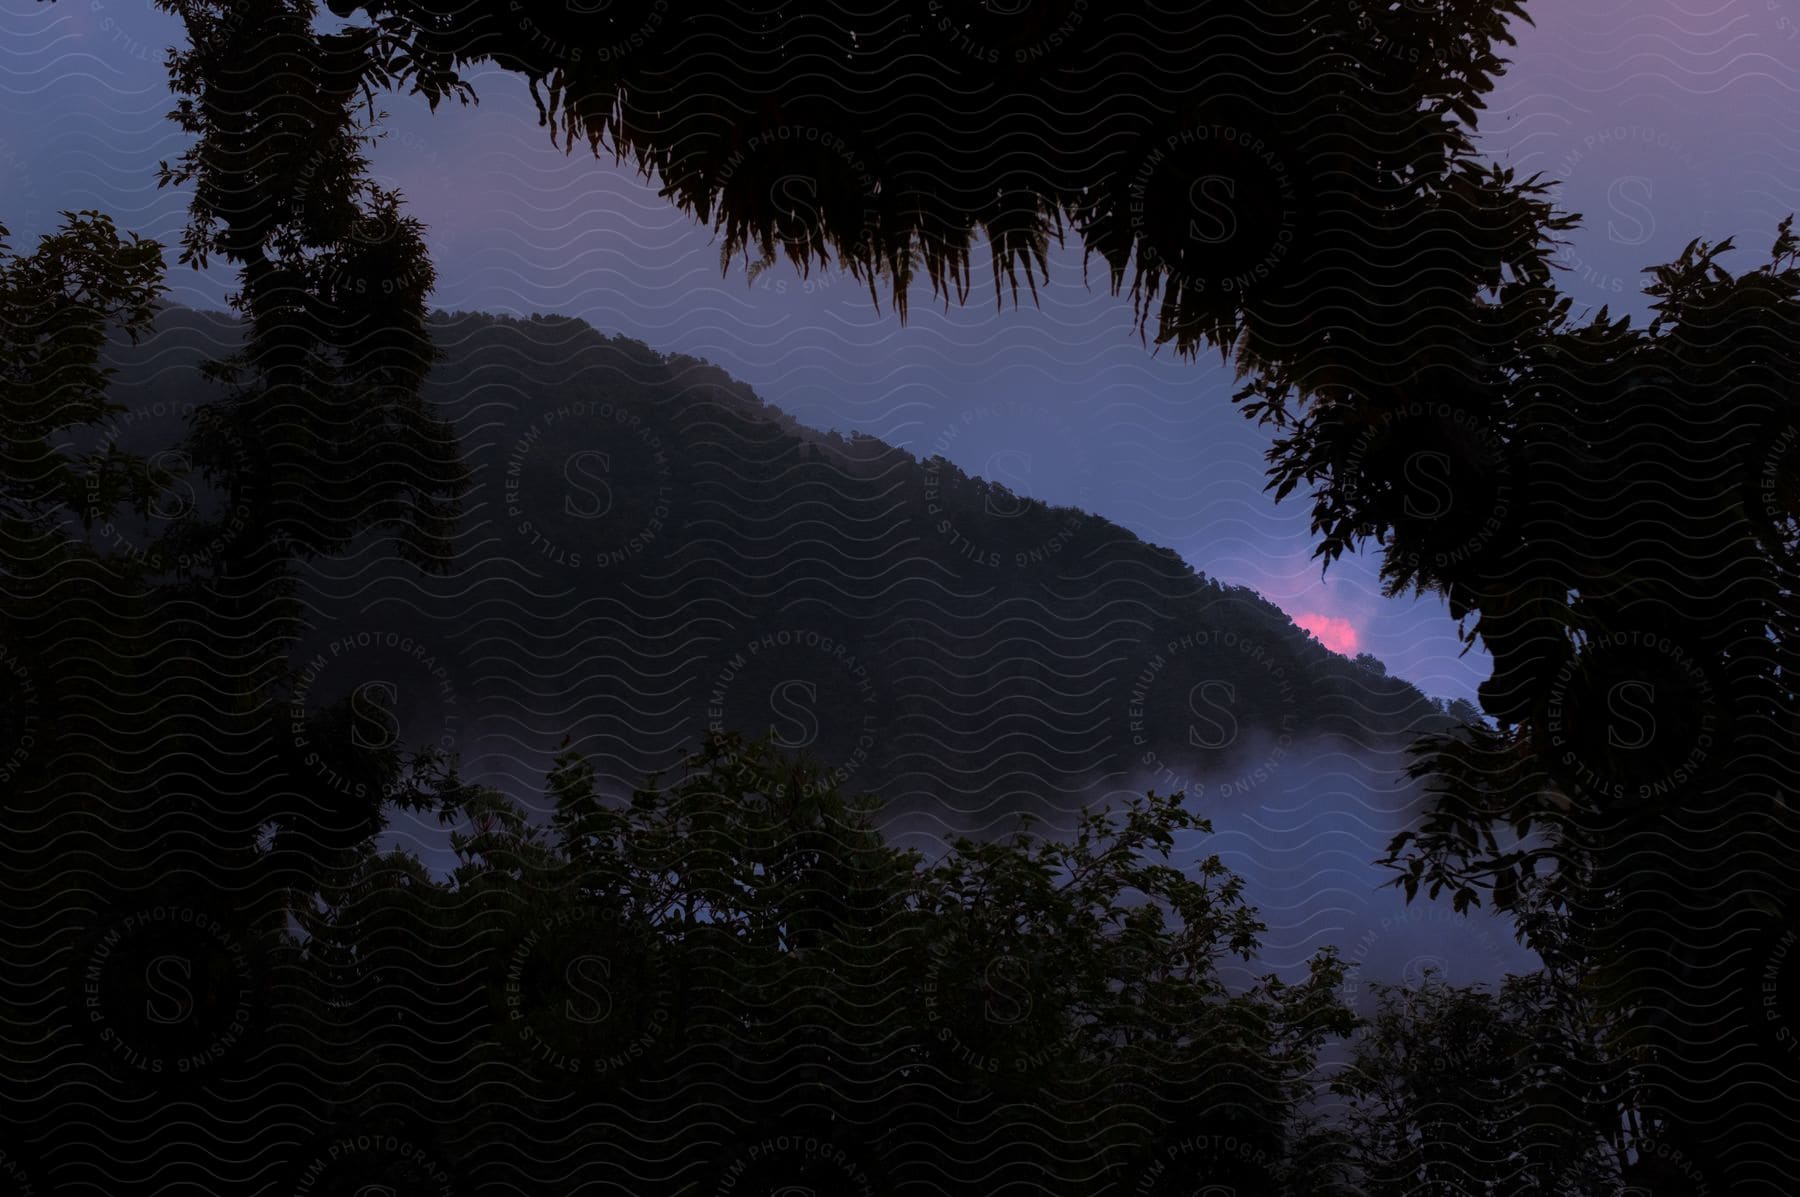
[[1664, 121]]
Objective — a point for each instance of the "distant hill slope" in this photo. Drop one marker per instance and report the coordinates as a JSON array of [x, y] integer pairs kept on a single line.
[[649, 549]]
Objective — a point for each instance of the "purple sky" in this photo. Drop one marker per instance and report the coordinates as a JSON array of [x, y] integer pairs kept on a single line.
[[1665, 120]]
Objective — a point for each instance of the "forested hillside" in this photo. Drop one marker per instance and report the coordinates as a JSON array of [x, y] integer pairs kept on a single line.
[[648, 551]]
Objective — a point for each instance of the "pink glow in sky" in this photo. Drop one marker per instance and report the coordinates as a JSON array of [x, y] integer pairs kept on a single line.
[[1334, 632]]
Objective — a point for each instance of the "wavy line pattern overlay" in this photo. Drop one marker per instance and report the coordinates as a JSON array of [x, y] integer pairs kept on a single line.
[[707, 741]]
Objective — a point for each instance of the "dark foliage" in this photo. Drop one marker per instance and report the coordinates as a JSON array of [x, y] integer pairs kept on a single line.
[[1628, 560]]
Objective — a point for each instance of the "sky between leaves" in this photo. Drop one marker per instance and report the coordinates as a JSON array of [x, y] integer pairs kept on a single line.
[[1665, 120]]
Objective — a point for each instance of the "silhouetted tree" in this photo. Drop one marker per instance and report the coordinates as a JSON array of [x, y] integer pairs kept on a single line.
[[1466, 1092], [1637, 595], [737, 956]]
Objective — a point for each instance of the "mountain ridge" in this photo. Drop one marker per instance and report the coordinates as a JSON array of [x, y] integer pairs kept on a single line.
[[738, 570], [656, 488]]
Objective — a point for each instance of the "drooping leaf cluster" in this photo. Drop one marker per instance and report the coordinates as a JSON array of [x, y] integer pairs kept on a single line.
[[887, 140]]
